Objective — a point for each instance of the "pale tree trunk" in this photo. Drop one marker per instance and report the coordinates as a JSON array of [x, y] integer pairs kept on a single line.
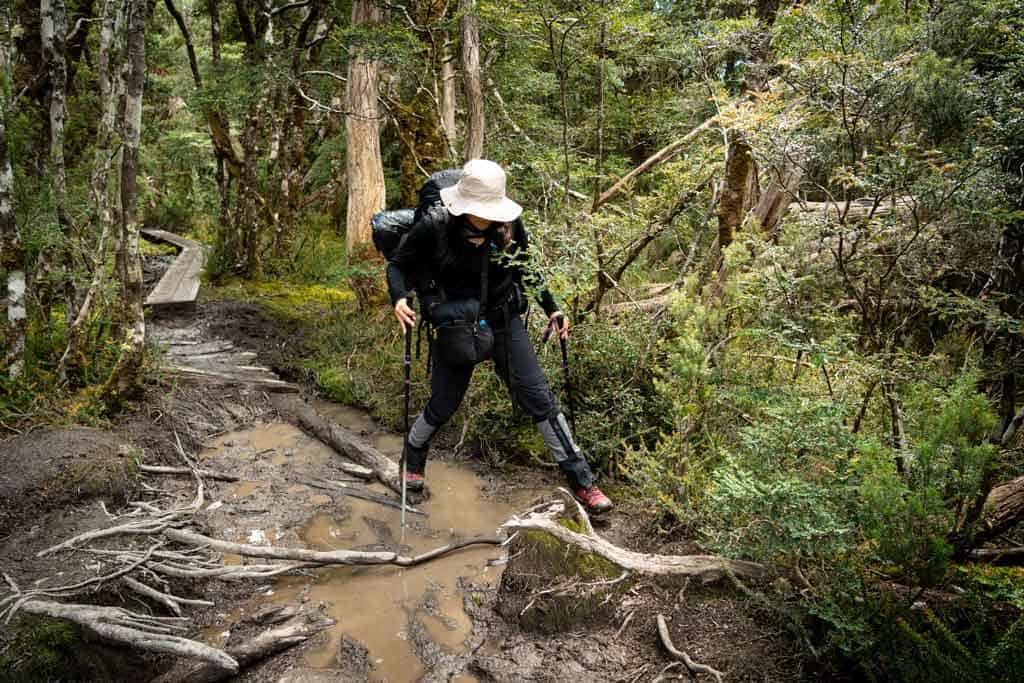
[[53, 28], [111, 41], [125, 374], [475, 122], [365, 170], [775, 200], [447, 98], [12, 253]]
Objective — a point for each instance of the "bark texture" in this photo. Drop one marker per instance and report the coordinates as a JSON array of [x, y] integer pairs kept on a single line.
[[126, 372], [109, 51], [739, 193], [12, 255], [471, 81], [365, 169]]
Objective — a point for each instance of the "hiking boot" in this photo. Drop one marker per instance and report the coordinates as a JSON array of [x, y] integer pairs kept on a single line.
[[414, 482], [415, 466], [592, 499]]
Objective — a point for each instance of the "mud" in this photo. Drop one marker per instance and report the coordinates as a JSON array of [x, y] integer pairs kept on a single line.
[[407, 620]]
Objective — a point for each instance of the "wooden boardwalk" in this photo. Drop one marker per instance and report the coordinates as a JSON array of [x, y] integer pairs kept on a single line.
[[190, 354], [180, 284]]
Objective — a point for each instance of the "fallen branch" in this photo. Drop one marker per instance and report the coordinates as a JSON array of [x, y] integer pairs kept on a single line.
[[360, 492], [706, 567], [342, 440], [209, 474], [694, 667], [356, 470], [1013, 555]]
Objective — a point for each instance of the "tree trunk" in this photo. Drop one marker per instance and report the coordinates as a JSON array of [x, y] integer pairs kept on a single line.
[[12, 253], [475, 121], [739, 192], [776, 199], [111, 32], [125, 373], [53, 29], [448, 98], [364, 167]]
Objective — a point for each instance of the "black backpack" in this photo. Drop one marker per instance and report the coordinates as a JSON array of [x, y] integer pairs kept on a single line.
[[389, 227]]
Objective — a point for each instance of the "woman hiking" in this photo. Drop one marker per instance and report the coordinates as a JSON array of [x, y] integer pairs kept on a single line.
[[467, 253]]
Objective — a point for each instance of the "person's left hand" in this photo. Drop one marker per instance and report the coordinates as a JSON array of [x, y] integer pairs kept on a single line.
[[558, 321]]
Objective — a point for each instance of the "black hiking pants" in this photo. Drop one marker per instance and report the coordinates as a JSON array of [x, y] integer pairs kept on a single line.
[[516, 363]]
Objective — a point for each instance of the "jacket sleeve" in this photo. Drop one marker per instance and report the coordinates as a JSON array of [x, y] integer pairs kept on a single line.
[[530, 275], [414, 248]]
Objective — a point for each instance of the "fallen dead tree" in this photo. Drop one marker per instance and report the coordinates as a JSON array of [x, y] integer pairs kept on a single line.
[[705, 567], [341, 440]]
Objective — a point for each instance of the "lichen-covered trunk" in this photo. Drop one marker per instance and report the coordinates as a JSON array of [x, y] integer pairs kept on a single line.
[[475, 121], [364, 167], [447, 97], [53, 29], [739, 192], [12, 253], [101, 224], [126, 372]]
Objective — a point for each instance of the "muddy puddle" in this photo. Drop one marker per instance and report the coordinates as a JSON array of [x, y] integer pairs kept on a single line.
[[398, 614]]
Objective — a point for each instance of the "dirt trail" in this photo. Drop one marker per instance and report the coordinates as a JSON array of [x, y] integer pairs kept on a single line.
[[439, 622]]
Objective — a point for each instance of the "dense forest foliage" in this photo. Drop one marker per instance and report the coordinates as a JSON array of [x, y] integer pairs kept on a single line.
[[790, 234]]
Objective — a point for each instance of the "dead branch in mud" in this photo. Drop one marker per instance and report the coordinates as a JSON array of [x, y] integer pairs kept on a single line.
[[330, 557], [693, 667], [209, 474], [706, 567], [266, 644], [360, 492], [341, 440]]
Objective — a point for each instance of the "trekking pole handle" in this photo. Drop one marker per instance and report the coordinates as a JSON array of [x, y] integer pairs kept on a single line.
[[558, 320]]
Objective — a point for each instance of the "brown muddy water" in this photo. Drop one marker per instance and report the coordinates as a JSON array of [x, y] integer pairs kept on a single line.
[[381, 607]]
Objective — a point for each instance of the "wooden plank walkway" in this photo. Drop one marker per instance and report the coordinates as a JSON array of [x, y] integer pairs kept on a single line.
[[193, 359], [190, 355], [180, 284]]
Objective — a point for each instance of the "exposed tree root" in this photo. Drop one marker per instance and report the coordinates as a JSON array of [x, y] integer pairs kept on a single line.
[[706, 567], [692, 666], [318, 557], [151, 634], [266, 644], [209, 474]]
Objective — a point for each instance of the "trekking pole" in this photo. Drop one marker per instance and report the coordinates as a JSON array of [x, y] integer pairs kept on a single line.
[[408, 385], [559, 321]]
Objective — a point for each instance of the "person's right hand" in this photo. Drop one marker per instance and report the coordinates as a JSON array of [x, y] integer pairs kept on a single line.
[[406, 316]]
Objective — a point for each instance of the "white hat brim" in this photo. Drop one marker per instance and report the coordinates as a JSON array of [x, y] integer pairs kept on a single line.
[[504, 210]]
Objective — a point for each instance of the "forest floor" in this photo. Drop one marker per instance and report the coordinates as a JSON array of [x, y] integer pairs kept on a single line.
[[455, 620]]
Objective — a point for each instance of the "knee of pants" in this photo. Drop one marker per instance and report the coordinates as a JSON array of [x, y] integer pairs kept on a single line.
[[538, 402], [439, 410]]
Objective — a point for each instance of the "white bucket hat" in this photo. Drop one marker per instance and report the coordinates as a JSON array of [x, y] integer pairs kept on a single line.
[[481, 192]]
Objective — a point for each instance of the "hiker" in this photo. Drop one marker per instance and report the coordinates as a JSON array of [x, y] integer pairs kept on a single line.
[[468, 253]]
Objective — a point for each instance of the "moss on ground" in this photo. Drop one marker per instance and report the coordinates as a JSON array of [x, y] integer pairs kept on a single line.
[[552, 587], [41, 649]]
